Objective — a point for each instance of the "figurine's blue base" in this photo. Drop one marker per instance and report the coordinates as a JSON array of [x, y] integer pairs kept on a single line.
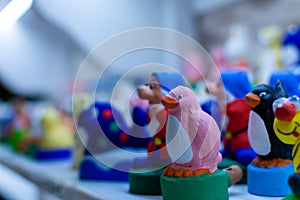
[[53, 154], [92, 169], [271, 181]]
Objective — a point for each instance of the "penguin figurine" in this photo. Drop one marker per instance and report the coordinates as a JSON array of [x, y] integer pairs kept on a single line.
[[192, 136], [270, 150]]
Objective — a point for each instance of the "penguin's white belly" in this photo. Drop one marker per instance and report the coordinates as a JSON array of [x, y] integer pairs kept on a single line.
[[258, 135], [178, 142]]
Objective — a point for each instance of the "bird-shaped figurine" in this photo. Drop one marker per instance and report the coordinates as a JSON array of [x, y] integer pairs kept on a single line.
[[287, 129], [192, 136], [271, 151]]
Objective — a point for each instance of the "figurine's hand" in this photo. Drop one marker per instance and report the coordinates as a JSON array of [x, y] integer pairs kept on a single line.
[[158, 117], [155, 109]]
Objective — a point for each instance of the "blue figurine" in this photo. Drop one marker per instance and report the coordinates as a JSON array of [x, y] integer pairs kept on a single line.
[[106, 133], [290, 75], [236, 144]]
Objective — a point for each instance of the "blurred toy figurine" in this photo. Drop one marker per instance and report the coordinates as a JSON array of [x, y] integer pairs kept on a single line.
[[290, 54], [159, 84], [144, 177], [106, 138], [269, 60], [237, 45], [287, 129], [19, 126], [193, 143], [236, 109], [274, 157], [57, 138]]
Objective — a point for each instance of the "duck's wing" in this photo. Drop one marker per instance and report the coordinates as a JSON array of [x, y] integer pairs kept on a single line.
[[178, 142]]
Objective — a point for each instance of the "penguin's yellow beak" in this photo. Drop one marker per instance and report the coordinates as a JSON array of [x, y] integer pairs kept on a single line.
[[169, 102], [252, 99]]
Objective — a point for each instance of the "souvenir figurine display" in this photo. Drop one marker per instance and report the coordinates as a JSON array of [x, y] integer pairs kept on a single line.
[[193, 143], [144, 177], [56, 129], [286, 127], [274, 157]]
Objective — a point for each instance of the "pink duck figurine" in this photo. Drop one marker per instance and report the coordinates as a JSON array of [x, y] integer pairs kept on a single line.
[[193, 143], [193, 137]]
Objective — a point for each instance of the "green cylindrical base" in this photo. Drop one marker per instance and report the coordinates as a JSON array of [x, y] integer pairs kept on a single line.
[[207, 187], [145, 182], [292, 196]]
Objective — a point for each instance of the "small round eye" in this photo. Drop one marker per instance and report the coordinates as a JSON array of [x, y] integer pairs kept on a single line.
[[262, 94], [152, 86], [180, 96]]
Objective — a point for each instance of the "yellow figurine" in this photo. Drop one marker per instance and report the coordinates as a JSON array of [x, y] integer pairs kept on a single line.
[[287, 129], [58, 130]]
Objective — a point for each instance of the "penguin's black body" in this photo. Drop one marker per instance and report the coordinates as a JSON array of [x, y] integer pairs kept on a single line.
[[267, 95]]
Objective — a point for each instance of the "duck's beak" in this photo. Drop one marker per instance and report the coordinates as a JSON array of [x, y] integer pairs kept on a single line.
[[169, 102], [252, 99]]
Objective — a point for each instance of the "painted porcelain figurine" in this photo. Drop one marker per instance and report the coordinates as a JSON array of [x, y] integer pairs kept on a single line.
[[18, 128], [144, 177], [106, 139], [261, 134], [274, 157], [107, 134], [201, 145], [159, 84], [236, 146], [287, 129], [57, 138], [193, 143]]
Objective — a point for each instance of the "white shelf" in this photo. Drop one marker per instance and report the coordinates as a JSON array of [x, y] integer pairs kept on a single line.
[[60, 180]]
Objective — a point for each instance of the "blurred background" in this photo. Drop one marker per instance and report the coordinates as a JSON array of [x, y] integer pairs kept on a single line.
[[44, 42], [42, 51]]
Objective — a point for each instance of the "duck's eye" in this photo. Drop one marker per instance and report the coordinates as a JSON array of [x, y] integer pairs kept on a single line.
[[180, 96], [151, 85], [262, 94]]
